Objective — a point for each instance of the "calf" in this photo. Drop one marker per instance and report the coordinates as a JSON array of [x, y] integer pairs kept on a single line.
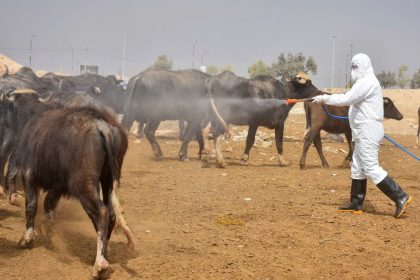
[[70, 152], [317, 119]]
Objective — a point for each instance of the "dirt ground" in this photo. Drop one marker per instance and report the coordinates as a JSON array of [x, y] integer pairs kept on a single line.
[[259, 221]]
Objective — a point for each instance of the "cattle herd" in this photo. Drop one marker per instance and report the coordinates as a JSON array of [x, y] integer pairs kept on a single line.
[[62, 134]]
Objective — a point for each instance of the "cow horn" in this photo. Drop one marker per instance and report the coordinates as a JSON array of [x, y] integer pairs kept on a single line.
[[24, 91], [11, 98], [302, 78], [46, 100]]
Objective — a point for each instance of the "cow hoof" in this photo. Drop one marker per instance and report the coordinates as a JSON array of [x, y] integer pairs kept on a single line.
[[99, 268], [2, 192], [244, 162], [46, 226], [158, 157], [205, 164], [302, 166], [326, 165], [284, 163], [27, 239], [221, 165], [16, 200]]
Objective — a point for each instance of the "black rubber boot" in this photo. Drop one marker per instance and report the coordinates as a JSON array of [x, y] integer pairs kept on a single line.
[[357, 196], [392, 190]]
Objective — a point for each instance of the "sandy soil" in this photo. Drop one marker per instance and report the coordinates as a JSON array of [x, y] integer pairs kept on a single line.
[[259, 221]]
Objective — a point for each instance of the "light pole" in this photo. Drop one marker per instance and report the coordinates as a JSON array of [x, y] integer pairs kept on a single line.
[[195, 42], [351, 57], [71, 48], [202, 56], [30, 51], [123, 64], [333, 53]]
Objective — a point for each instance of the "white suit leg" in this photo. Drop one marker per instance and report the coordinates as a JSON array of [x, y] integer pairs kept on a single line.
[[356, 165], [369, 142]]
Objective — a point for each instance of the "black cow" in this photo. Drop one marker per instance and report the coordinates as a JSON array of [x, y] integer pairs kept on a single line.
[[238, 101], [317, 119], [24, 78], [104, 89], [70, 152], [9, 134], [157, 95]]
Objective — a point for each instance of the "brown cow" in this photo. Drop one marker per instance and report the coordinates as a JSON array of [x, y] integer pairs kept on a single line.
[[317, 119]]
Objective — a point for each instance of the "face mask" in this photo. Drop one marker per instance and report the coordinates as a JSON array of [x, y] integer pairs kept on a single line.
[[354, 75]]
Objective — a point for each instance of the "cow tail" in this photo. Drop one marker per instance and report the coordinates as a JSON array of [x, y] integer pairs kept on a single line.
[[214, 108], [111, 149]]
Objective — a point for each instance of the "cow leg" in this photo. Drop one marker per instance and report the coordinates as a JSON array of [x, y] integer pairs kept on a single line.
[[50, 203], [150, 131], [106, 183], [192, 127], [10, 183], [2, 188], [98, 213], [347, 160], [219, 155], [318, 146], [200, 140], [250, 140], [279, 143], [140, 129], [181, 125], [205, 154], [308, 141], [30, 209]]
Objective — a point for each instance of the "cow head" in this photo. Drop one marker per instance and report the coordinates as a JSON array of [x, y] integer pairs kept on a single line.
[[390, 110], [301, 86]]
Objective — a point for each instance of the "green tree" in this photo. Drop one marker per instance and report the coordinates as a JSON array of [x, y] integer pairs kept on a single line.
[[258, 68], [288, 66], [212, 70], [162, 63], [387, 79], [402, 79], [227, 67], [415, 81]]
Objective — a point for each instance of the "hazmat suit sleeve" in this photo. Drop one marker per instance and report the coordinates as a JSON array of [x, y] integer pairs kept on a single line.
[[357, 93]]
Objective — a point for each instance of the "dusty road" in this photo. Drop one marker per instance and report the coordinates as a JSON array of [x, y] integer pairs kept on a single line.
[[244, 222]]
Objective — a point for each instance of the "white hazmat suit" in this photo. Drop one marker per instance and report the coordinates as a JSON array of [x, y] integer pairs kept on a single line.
[[365, 116]]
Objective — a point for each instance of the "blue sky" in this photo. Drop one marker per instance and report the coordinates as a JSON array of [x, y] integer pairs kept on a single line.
[[231, 32]]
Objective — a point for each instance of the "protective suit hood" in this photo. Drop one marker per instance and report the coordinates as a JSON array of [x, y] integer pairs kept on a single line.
[[361, 66]]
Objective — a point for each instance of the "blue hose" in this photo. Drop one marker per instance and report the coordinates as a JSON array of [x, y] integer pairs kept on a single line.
[[386, 137]]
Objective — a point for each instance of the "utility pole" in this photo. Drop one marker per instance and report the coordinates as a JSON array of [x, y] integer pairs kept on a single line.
[[202, 56], [195, 42], [333, 54], [123, 65], [30, 51], [87, 50], [72, 64]]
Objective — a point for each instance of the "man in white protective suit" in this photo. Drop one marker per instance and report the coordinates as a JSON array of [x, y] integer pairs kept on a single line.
[[365, 116]]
